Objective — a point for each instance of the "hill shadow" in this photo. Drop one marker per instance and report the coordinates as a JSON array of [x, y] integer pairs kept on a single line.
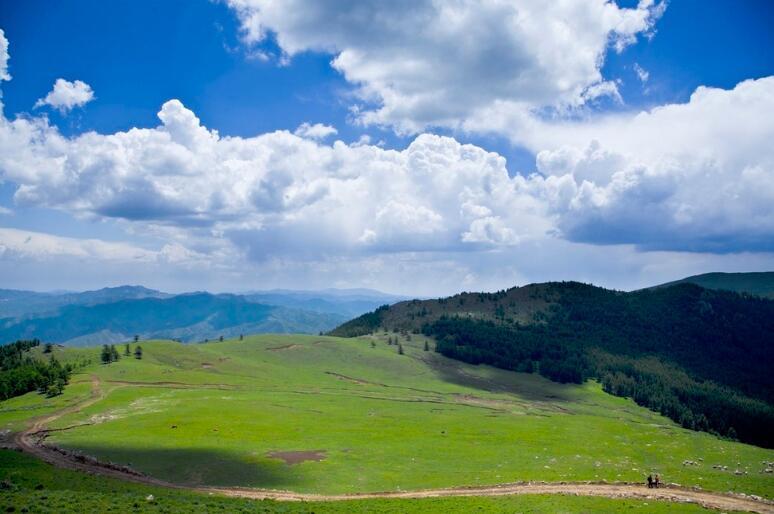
[[527, 387], [197, 466]]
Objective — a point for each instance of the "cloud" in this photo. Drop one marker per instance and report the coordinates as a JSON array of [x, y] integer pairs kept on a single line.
[[316, 131], [655, 185], [642, 74], [679, 177], [695, 176], [4, 57], [420, 64], [66, 95]]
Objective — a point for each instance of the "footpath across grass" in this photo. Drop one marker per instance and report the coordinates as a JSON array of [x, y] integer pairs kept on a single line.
[[29, 485]]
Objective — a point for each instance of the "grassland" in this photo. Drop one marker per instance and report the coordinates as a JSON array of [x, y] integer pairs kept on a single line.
[[30, 485], [215, 414]]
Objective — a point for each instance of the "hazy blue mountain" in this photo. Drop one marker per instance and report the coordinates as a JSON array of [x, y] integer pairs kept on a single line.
[[116, 314], [346, 302], [15, 303], [188, 317], [757, 283]]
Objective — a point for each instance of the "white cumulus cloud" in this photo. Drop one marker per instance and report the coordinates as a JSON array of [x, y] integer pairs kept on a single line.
[[66, 95], [316, 131], [425, 63], [4, 57]]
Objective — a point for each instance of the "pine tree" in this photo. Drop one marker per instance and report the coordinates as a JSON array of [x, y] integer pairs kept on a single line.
[[427, 346], [138, 353], [400, 349], [114, 353], [106, 355], [127, 353]]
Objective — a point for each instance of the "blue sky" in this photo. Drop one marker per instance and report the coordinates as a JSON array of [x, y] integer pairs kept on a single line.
[[433, 217]]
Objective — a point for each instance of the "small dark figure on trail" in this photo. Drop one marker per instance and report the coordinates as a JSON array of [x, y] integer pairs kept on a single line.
[[657, 481], [650, 481]]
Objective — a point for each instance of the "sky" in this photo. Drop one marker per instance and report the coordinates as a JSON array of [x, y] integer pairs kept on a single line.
[[414, 147]]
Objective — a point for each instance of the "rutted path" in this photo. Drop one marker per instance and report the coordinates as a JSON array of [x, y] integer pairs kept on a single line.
[[31, 440]]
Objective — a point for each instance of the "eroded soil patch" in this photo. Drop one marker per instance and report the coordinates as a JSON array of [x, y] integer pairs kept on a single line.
[[298, 457]]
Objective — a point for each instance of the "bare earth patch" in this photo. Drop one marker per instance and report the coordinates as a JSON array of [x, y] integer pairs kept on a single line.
[[284, 347], [291, 458]]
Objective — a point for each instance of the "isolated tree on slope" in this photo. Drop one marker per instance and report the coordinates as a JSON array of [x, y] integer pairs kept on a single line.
[[114, 353], [106, 355], [127, 353], [400, 349], [138, 353]]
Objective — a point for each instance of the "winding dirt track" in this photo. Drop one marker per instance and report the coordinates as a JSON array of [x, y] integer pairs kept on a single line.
[[32, 439]]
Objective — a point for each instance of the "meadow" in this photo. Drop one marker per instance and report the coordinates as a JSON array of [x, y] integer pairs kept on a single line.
[[327, 415]]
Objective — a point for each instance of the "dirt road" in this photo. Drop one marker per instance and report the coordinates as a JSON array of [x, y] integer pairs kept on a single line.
[[32, 441]]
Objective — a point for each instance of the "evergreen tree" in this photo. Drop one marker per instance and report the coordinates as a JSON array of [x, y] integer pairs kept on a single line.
[[138, 353], [114, 353], [427, 346], [127, 353], [48, 348], [400, 349], [106, 356]]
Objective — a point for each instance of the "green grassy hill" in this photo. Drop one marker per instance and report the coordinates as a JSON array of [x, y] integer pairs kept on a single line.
[[700, 356], [758, 283], [331, 415]]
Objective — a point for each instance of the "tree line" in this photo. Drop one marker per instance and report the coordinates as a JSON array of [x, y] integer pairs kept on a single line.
[[110, 354]]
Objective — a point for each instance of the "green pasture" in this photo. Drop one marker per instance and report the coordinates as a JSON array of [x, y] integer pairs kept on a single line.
[[29, 485], [213, 414]]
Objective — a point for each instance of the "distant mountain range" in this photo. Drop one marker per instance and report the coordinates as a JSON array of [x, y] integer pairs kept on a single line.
[[757, 283], [116, 314]]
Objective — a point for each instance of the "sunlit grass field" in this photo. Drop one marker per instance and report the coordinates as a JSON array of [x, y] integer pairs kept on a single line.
[[368, 419], [33, 486]]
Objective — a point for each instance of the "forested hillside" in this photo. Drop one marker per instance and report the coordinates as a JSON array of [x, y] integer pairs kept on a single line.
[[702, 357], [758, 283]]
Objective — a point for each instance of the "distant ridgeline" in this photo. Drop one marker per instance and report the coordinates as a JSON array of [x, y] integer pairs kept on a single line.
[[702, 357]]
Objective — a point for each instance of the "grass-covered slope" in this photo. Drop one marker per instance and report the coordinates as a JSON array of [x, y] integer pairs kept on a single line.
[[330, 415], [757, 283], [700, 356]]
